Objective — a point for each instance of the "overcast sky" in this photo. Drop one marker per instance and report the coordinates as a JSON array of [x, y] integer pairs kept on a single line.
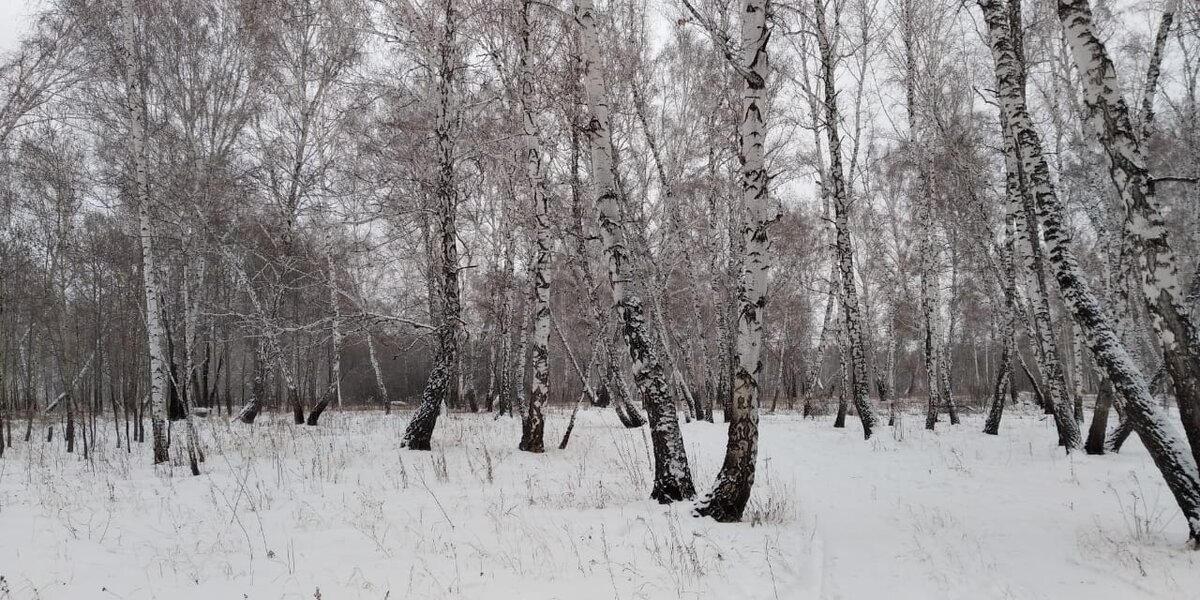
[[14, 17]]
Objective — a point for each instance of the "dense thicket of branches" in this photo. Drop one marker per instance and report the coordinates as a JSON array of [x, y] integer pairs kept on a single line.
[[349, 202]]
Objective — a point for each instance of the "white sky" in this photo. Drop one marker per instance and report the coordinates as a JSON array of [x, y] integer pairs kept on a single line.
[[14, 18]]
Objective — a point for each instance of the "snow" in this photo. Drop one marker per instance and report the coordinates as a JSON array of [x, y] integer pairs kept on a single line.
[[283, 511]]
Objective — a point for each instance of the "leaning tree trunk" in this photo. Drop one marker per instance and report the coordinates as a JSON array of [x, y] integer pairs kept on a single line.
[[314, 415], [860, 385], [258, 385], [672, 476], [533, 423], [812, 368], [334, 394], [1008, 285], [1144, 224], [1052, 369], [442, 386], [1003, 380], [1153, 427], [682, 379], [137, 150], [589, 393], [1124, 426], [1098, 429], [379, 384], [945, 366]]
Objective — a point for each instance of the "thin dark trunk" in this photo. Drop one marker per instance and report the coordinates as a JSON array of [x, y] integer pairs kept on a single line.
[[1096, 433]]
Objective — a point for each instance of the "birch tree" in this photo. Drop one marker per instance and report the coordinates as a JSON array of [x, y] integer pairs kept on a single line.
[[1161, 286], [841, 203], [141, 192], [1157, 434], [727, 501], [443, 379], [533, 423], [672, 475]]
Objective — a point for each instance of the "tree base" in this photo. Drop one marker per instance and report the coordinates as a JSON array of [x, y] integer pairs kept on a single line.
[[533, 428], [669, 489]]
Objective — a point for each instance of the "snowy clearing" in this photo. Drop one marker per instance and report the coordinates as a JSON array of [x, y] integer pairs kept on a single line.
[[339, 511]]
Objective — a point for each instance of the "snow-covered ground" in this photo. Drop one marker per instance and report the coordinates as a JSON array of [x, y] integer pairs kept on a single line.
[[340, 511]]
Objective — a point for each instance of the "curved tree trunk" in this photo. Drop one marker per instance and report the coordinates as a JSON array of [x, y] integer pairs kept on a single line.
[[379, 385], [727, 501], [672, 475], [1008, 285], [327, 398], [442, 387], [1003, 380]]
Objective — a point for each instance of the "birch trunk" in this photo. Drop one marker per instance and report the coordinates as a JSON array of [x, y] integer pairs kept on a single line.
[[335, 339], [727, 501], [1077, 371], [504, 401], [589, 393], [1052, 369], [258, 384], [929, 317], [1003, 381], [1153, 427], [533, 423], [813, 367], [1008, 283], [442, 386], [379, 385], [191, 324], [682, 379], [137, 151], [1162, 290], [841, 202], [1096, 433], [843, 405], [672, 477]]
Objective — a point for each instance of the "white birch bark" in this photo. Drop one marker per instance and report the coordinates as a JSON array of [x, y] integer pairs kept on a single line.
[[673, 478], [1159, 437], [442, 386], [727, 501], [335, 326], [137, 151], [334, 393], [1161, 286], [860, 386], [373, 354], [533, 422]]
